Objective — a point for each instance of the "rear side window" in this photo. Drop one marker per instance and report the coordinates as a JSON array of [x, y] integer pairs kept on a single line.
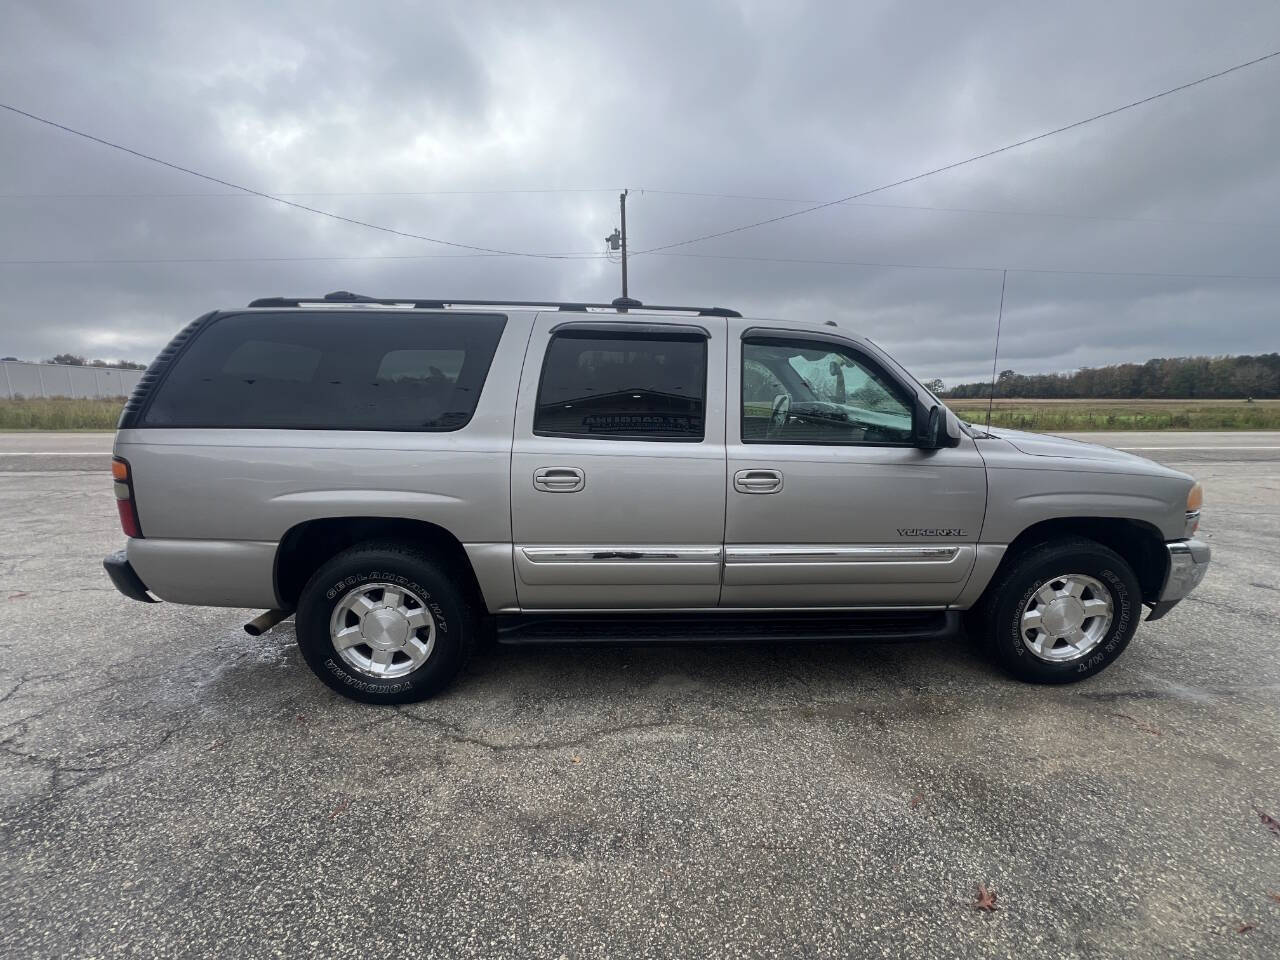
[[623, 386], [337, 371]]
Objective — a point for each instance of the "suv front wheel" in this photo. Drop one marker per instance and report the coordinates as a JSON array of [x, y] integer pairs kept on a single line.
[[1061, 611], [381, 623]]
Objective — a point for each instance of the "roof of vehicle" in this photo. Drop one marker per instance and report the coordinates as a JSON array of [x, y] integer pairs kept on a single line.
[[620, 305]]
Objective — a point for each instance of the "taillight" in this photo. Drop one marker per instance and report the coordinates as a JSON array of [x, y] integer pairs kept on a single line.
[[125, 504]]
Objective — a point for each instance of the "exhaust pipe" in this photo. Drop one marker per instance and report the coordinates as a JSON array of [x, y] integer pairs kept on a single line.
[[265, 621]]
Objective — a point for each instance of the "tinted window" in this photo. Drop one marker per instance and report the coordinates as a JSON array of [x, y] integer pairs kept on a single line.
[[421, 365], [342, 371], [263, 358], [623, 386], [797, 392]]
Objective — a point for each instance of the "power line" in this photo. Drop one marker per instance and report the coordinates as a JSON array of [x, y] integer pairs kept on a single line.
[[273, 197], [982, 210], [1056, 214], [942, 266], [960, 163], [89, 261], [588, 255], [285, 193]]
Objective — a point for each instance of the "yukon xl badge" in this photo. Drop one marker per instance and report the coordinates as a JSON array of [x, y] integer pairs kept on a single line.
[[930, 532]]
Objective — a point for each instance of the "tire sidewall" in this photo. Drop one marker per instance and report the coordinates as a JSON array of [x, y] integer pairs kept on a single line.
[[1100, 564], [338, 577]]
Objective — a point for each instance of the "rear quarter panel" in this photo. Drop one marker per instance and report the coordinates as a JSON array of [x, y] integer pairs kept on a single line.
[[214, 503], [256, 484]]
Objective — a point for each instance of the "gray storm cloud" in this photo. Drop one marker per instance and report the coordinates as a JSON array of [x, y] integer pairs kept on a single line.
[[792, 101]]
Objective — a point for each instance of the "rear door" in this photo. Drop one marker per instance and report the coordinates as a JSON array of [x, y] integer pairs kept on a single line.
[[830, 503], [618, 463]]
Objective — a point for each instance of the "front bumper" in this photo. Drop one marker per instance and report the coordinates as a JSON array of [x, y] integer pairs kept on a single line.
[[125, 578], [1188, 563]]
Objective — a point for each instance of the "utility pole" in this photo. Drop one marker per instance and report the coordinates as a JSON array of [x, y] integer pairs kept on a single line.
[[618, 240], [622, 202]]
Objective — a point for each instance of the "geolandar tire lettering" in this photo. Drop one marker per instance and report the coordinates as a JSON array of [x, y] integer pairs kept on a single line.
[[418, 642], [1061, 611]]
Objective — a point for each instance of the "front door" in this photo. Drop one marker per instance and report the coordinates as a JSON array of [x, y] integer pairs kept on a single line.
[[618, 464], [829, 503]]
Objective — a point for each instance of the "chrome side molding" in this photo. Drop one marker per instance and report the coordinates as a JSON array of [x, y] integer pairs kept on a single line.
[[770, 554], [626, 554], [930, 554]]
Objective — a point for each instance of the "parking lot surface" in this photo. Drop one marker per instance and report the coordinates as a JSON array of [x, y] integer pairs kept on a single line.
[[171, 787]]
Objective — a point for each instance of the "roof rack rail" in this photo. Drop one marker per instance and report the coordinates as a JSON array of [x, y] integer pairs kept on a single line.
[[621, 304]]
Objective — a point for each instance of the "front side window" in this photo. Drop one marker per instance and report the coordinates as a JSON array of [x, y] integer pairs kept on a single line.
[[812, 392], [372, 370], [623, 386]]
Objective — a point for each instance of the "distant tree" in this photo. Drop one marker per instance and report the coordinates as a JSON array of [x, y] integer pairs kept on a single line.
[[935, 385], [71, 359], [1219, 378], [118, 364], [2, 359]]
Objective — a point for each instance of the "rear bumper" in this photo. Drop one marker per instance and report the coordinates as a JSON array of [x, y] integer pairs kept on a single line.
[[1188, 563], [208, 573], [125, 578]]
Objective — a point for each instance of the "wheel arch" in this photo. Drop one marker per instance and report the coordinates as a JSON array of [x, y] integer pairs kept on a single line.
[[308, 545], [1139, 543]]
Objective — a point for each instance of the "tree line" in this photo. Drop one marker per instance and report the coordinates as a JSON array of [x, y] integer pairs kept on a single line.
[[73, 360], [1174, 378]]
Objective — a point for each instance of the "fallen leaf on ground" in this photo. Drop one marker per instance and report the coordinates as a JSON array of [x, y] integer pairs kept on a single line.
[[576, 759], [342, 806], [1246, 927], [917, 800], [986, 898], [1268, 821], [1274, 896], [1144, 727]]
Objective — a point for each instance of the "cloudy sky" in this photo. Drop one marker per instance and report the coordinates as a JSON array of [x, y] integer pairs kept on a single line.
[[513, 126]]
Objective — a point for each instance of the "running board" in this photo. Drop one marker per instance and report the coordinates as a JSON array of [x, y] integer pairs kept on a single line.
[[765, 627]]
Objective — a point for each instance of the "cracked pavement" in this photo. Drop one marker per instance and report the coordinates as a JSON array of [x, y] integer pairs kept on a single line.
[[170, 786]]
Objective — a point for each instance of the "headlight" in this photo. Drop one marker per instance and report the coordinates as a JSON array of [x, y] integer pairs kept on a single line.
[[1195, 499]]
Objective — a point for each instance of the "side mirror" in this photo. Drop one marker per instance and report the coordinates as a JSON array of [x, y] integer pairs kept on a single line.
[[934, 435]]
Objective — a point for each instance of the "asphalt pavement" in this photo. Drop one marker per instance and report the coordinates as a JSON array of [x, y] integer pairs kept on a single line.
[[171, 787]]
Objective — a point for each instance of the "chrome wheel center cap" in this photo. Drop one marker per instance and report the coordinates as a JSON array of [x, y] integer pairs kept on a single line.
[[385, 629], [1062, 616]]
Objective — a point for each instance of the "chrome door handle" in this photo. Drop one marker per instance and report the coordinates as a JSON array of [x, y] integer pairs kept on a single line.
[[559, 479], [757, 481]]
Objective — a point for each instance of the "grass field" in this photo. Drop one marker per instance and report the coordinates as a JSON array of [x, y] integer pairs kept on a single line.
[[1038, 416], [1064, 416], [60, 413]]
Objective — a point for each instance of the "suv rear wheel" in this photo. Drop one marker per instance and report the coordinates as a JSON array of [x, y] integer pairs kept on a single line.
[[382, 623], [1061, 611]]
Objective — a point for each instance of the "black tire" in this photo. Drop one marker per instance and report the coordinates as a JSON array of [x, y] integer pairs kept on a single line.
[[999, 617], [416, 571]]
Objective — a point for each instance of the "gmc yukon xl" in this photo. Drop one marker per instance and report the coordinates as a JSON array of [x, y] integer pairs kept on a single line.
[[407, 476]]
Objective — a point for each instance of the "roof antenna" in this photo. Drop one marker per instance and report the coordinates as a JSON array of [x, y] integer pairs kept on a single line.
[[991, 397]]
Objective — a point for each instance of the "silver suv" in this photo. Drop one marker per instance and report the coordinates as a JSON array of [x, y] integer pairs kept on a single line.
[[409, 476]]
